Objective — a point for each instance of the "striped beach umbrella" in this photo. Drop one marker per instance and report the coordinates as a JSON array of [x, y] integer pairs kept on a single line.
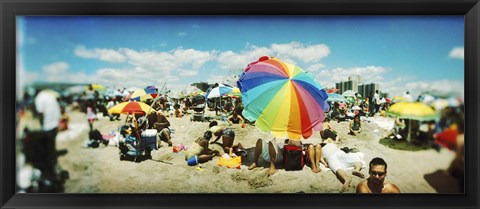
[[282, 98]]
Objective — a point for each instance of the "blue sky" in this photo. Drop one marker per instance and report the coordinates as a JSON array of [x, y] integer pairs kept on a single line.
[[400, 53]]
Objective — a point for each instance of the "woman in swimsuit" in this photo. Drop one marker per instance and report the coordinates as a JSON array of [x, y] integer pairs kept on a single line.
[[355, 125], [227, 134]]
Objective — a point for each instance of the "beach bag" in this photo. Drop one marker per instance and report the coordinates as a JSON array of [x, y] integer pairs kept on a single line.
[[293, 157]]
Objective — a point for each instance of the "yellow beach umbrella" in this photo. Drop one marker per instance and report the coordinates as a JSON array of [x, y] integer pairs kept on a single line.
[[131, 107], [140, 95], [413, 111]]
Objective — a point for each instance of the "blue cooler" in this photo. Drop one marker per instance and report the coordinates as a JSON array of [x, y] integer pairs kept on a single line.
[[149, 139]]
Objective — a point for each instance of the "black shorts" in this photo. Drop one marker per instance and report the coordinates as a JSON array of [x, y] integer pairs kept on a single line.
[[327, 133], [228, 132]]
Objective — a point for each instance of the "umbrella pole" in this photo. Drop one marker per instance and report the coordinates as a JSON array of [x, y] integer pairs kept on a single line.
[[409, 129], [156, 98]]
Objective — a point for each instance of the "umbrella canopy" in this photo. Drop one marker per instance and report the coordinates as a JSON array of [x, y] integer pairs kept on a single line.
[[332, 90], [396, 99], [97, 87], [413, 110], [235, 92], [113, 93], [282, 98], [192, 91], [348, 93], [336, 98], [152, 90], [131, 107], [140, 95], [220, 90]]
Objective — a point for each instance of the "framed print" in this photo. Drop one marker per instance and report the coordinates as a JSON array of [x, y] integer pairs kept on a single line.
[[296, 104]]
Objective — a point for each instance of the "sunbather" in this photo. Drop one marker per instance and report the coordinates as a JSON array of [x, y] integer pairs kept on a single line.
[[339, 162]]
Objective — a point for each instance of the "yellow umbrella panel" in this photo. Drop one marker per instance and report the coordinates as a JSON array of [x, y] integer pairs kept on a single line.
[[131, 107]]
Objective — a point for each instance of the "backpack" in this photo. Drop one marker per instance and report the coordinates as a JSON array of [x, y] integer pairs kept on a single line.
[[293, 157]]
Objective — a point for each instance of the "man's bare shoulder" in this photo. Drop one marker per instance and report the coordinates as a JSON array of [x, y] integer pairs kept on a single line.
[[362, 187], [390, 188]]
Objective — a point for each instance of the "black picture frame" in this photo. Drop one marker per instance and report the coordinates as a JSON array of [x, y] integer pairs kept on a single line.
[[9, 9]]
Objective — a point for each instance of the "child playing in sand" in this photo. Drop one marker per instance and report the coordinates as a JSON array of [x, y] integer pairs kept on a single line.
[[200, 149]]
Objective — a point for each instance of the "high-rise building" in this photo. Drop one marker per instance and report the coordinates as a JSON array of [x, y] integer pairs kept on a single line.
[[367, 89], [351, 84]]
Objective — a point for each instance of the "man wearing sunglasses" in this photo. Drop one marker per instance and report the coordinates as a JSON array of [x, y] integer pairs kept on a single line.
[[376, 183]]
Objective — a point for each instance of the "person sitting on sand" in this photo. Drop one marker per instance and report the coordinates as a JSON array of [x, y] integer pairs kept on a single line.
[[271, 152], [235, 119], [158, 121], [376, 183], [339, 162], [355, 126], [200, 148], [328, 133], [227, 134]]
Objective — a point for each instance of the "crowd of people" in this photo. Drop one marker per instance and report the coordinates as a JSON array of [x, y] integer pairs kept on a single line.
[[326, 155]]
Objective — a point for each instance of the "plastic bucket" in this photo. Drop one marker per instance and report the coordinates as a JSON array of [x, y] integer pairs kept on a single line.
[[192, 161]]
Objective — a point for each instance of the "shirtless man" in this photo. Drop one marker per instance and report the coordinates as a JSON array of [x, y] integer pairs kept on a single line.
[[376, 183]]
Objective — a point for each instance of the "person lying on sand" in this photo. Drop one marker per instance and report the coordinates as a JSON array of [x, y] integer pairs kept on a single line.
[[314, 153], [227, 134], [271, 152], [328, 133], [376, 183], [200, 148], [339, 161]]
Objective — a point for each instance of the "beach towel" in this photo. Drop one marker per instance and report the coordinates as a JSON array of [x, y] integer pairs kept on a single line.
[[230, 162]]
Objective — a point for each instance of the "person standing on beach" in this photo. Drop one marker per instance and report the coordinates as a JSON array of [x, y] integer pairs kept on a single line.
[[48, 109], [376, 97], [376, 183]]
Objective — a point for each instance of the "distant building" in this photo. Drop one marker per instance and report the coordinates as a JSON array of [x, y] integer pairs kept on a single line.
[[351, 84], [367, 89]]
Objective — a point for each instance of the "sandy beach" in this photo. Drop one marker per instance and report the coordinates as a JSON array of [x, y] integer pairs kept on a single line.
[[99, 170]]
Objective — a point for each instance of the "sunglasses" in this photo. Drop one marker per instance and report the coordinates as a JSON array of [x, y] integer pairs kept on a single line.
[[375, 173]]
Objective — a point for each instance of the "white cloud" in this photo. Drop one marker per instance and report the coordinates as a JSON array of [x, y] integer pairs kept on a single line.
[[454, 87], [298, 51], [55, 68], [369, 74], [196, 26], [182, 34], [107, 55], [83, 52], [457, 53]]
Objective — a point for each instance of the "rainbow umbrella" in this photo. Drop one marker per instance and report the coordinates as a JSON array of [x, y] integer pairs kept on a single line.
[[131, 107], [282, 98]]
